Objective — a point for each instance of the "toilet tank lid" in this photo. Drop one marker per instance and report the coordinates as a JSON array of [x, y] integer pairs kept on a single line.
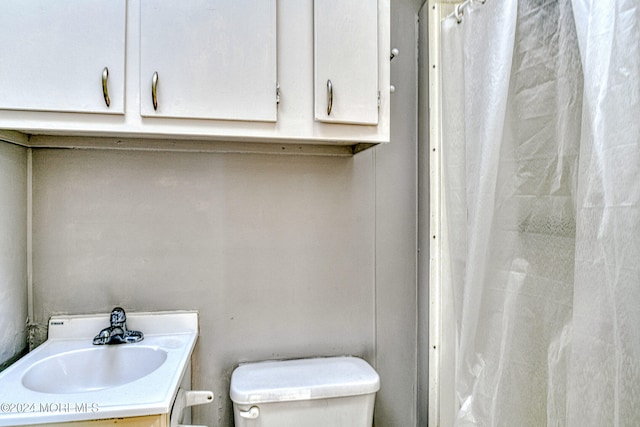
[[302, 379]]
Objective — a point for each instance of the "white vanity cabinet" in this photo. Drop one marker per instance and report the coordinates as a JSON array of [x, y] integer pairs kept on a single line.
[[62, 55], [346, 61], [205, 75], [208, 59]]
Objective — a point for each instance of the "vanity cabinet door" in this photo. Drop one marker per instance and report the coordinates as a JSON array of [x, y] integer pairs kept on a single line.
[[143, 421], [53, 55], [208, 59], [346, 61]]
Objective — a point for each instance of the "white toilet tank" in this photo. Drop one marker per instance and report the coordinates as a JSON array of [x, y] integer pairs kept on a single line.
[[322, 392]]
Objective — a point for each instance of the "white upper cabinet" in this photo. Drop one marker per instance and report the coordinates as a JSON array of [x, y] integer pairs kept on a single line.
[[62, 55], [302, 75], [208, 59], [346, 61]]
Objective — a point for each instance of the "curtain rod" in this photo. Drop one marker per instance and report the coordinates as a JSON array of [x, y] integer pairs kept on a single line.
[[458, 11]]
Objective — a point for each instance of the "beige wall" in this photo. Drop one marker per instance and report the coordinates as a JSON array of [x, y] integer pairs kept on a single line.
[[13, 251], [275, 252], [396, 233]]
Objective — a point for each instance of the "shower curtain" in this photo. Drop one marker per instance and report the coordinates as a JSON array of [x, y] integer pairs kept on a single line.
[[541, 172]]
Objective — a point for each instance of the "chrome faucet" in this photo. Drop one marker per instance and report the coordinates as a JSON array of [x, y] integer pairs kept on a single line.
[[117, 333]]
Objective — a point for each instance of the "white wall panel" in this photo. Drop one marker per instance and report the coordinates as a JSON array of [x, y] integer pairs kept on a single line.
[[13, 250], [396, 234]]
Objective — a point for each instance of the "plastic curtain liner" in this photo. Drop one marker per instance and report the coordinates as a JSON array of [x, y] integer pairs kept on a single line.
[[541, 161]]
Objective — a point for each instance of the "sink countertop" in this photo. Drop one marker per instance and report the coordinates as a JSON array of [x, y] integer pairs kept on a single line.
[[173, 332]]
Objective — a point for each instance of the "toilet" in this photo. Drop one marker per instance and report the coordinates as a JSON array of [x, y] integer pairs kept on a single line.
[[319, 392]]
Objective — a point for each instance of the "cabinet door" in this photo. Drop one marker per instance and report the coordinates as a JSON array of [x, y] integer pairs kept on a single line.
[[213, 59], [346, 61], [53, 54], [141, 421]]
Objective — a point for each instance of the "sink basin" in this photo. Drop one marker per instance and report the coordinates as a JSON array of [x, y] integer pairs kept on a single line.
[[92, 369], [68, 379]]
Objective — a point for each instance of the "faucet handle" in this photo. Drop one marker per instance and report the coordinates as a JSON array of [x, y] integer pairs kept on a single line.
[[118, 316]]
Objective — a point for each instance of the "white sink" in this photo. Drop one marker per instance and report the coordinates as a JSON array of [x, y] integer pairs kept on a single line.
[[67, 378], [92, 369]]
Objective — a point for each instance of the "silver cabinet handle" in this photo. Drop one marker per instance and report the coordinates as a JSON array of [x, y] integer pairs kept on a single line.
[[105, 88], [154, 90], [330, 96]]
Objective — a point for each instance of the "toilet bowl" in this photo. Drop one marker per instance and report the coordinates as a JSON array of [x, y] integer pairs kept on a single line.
[[320, 392]]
